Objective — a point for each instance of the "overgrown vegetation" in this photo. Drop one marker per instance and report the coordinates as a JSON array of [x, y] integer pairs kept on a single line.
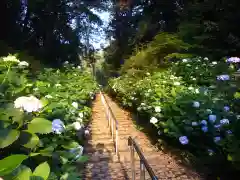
[[171, 56], [42, 120]]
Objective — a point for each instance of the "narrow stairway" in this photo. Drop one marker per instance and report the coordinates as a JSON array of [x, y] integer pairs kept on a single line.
[[104, 164]]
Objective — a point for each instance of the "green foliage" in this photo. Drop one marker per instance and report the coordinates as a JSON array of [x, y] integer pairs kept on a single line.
[[10, 163], [40, 125], [38, 117], [42, 171], [156, 53], [188, 100]]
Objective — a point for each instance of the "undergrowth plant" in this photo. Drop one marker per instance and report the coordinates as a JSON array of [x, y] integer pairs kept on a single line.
[[195, 102], [42, 120]]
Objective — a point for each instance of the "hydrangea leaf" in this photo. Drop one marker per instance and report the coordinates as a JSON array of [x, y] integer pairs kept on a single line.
[[237, 95], [63, 160], [40, 125], [8, 136], [44, 101], [82, 159], [47, 151], [10, 163], [42, 170], [28, 139], [229, 157], [22, 173], [70, 145]]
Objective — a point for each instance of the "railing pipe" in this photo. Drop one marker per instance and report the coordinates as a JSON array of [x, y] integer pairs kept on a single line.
[[143, 162], [112, 122]]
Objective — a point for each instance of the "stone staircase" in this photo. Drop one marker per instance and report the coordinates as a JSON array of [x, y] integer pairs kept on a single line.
[[105, 164]]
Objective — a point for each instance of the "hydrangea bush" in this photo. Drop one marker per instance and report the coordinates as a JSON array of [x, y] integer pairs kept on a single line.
[[202, 114], [42, 120]]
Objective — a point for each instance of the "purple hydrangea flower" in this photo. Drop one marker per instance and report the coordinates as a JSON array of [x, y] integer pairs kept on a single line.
[[217, 139], [223, 77], [233, 60], [205, 129], [183, 140], [226, 108], [212, 118], [204, 122], [224, 121], [58, 126]]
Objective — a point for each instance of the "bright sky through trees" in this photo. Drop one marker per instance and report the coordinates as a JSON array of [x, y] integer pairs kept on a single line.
[[98, 40]]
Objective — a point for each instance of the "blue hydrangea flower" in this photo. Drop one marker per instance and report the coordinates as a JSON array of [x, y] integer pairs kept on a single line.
[[229, 132], [217, 139], [194, 123], [226, 108], [233, 60], [183, 140], [212, 118], [223, 77], [204, 122], [224, 121], [57, 126], [217, 126], [205, 129]]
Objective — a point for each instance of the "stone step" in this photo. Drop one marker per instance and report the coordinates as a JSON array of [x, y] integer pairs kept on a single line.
[[105, 171], [102, 156]]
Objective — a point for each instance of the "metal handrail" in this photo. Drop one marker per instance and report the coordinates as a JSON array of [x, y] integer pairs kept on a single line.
[[143, 162], [112, 122]]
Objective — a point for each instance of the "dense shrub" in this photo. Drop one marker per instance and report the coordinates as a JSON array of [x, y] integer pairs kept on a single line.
[[157, 53], [42, 120], [198, 107]]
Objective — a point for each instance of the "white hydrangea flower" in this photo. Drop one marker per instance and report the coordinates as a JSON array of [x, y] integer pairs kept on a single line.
[[23, 64], [148, 74], [75, 105], [153, 120], [184, 60], [196, 104], [214, 63], [206, 59], [176, 83], [58, 85], [81, 114], [79, 119], [29, 104], [11, 58], [157, 109], [190, 88], [77, 126], [48, 96]]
